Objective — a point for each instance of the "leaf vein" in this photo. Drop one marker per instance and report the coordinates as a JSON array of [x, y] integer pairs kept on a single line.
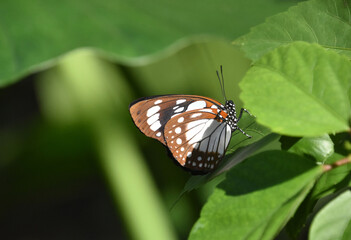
[[311, 29]]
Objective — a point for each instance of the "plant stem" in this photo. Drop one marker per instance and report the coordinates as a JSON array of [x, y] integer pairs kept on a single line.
[[96, 93], [338, 163]]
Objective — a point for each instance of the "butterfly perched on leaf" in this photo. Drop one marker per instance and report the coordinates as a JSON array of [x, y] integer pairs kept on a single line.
[[196, 129]]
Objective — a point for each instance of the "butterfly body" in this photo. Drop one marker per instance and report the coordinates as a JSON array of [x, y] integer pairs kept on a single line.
[[196, 129]]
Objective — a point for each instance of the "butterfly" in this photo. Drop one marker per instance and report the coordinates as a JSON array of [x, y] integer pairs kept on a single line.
[[195, 129]]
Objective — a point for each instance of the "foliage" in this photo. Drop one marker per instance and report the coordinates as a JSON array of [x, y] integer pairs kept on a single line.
[[292, 179], [299, 89], [121, 30]]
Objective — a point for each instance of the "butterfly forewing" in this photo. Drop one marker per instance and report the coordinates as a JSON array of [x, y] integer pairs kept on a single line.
[[151, 114]]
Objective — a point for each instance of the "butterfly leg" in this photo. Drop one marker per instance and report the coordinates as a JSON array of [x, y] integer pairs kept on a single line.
[[242, 131], [241, 113]]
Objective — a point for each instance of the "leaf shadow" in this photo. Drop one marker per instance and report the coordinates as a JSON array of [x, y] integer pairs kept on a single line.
[[263, 171]]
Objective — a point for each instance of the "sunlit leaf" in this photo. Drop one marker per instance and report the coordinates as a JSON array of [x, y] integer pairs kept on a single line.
[[332, 221], [257, 197], [299, 90], [326, 22], [330, 182]]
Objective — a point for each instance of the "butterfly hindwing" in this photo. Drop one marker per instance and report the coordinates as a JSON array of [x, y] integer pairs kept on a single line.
[[151, 114], [198, 138]]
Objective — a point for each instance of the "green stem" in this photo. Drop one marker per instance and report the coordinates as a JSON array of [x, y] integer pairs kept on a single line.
[[99, 96]]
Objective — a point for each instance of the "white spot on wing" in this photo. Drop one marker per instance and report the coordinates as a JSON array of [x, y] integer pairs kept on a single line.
[[196, 105], [158, 134], [180, 101], [153, 119], [181, 119], [152, 111], [196, 115], [178, 130], [158, 101], [189, 154], [156, 125], [179, 141], [199, 158], [206, 110], [179, 110]]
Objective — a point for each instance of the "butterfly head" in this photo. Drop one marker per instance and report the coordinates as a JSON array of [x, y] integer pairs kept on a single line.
[[229, 103]]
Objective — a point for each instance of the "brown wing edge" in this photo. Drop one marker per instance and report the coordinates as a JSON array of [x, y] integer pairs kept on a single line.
[[173, 95], [134, 115]]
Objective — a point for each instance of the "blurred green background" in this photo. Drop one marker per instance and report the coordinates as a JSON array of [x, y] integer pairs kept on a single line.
[[73, 165]]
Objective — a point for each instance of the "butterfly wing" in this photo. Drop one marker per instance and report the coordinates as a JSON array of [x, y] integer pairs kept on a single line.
[[198, 139], [151, 114]]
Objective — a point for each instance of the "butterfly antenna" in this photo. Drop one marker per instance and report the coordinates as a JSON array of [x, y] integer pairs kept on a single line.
[[225, 96], [221, 83]]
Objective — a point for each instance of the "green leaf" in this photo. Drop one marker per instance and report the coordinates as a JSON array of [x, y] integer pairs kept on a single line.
[[251, 127], [229, 162], [34, 33], [332, 221], [318, 147], [299, 90], [333, 180], [347, 232], [326, 22], [330, 182], [257, 198]]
